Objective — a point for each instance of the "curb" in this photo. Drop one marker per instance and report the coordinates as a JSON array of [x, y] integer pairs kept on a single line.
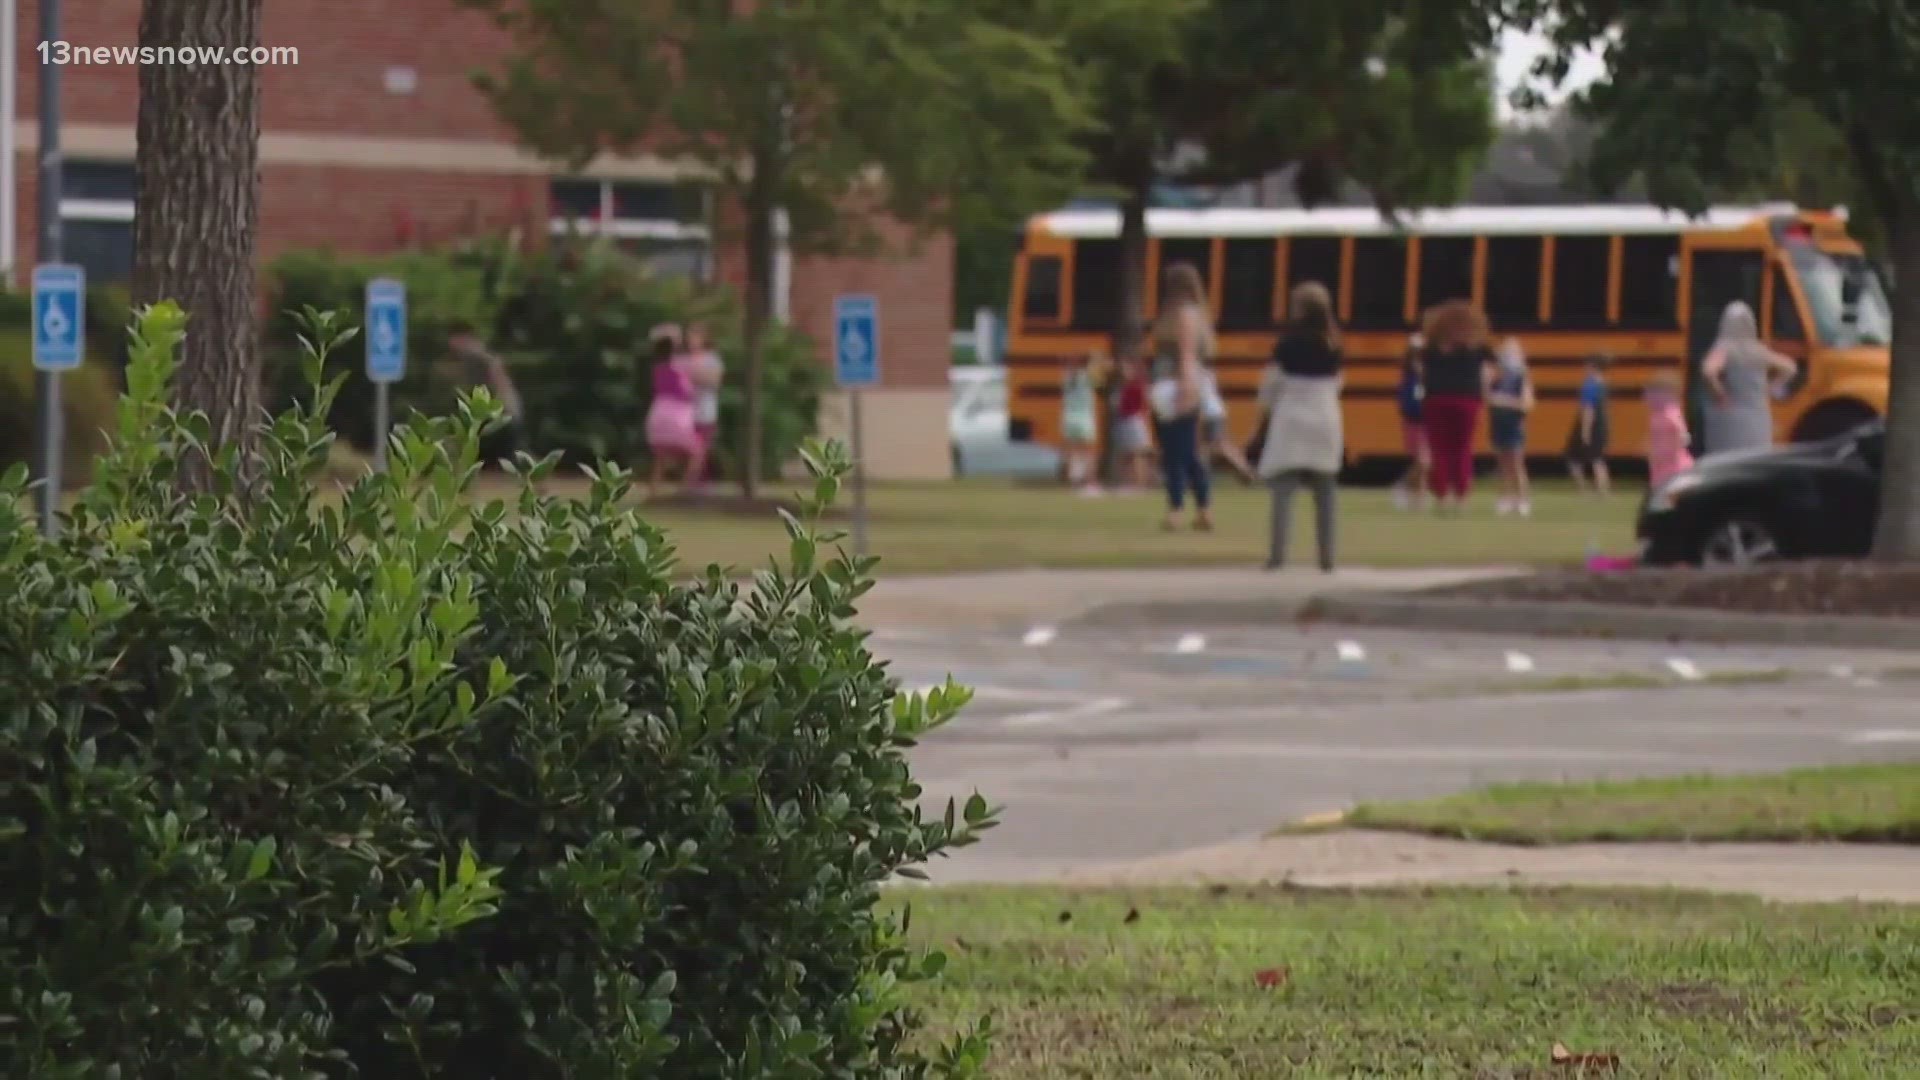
[[1253, 611], [1574, 619]]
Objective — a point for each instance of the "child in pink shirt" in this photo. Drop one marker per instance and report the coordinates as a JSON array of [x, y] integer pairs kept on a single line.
[[1667, 435]]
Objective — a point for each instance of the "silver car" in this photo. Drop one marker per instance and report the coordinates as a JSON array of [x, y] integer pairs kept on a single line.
[[978, 429]]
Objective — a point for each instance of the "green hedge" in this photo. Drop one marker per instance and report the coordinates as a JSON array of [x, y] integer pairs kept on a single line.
[[87, 397], [572, 321], [439, 294], [290, 794]]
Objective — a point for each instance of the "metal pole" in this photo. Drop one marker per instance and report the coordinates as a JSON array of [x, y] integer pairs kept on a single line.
[[381, 421], [52, 250], [859, 478], [9, 138]]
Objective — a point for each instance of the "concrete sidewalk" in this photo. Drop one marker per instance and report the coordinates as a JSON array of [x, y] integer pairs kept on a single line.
[[1364, 859], [1213, 596]]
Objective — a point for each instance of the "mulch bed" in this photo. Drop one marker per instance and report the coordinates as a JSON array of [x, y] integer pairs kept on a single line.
[[1883, 590]]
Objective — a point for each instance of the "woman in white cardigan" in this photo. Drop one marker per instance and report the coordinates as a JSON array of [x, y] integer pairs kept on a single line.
[[1305, 442]]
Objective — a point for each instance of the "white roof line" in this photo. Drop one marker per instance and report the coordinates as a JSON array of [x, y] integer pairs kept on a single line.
[[1463, 220]]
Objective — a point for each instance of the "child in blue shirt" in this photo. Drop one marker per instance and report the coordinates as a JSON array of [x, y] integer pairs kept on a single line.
[[1412, 489], [1587, 442]]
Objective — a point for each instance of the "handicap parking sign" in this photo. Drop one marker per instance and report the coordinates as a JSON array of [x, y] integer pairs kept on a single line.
[[59, 316], [856, 340], [386, 330]]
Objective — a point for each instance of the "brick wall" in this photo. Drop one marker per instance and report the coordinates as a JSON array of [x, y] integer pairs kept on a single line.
[[346, 48], [914, 285]]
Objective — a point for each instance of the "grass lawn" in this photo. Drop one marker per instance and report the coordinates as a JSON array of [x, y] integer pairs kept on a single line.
[[981, 525], [1852, 802], [1453, 984]]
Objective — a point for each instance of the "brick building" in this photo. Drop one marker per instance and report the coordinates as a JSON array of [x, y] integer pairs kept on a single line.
[[375, 139]]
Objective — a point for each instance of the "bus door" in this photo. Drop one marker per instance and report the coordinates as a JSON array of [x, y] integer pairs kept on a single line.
[[1716, 277], [1781, 324]]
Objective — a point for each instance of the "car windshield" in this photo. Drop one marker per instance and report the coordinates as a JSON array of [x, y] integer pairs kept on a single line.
[[1829, 280]]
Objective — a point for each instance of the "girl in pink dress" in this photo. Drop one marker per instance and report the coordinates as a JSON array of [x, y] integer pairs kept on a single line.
[[672, 430], [1667, 435]]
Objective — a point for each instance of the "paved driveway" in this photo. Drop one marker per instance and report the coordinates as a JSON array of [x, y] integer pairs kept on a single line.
[[1123, 744]]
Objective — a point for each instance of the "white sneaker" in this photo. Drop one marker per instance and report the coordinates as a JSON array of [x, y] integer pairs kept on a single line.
[[1503, 508], [1526, 510], [1400, 497]]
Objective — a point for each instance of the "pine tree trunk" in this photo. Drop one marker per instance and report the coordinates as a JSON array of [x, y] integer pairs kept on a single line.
[[1898, 533], [760, 253], [197, 170]]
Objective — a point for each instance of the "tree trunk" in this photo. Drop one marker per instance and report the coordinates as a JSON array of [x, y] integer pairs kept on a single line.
[[1131, 331], [196, 168], [1898, 532], [760, 254]]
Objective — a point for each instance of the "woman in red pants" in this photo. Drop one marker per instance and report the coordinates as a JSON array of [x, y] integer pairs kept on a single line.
[[1458, 365]]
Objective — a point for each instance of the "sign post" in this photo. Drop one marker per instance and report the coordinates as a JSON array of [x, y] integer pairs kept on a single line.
[[856, 363], [386, 355], [59, 342]]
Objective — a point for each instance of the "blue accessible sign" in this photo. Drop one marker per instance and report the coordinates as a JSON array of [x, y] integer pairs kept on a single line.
[[59, 316], [386, 330], [856, 340]]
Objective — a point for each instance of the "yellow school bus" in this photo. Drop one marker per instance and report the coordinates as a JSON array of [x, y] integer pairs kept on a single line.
[[1642, 285]]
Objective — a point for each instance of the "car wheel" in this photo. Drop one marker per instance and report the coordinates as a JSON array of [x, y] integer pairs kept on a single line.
[[1833, 418], [1738, 541]]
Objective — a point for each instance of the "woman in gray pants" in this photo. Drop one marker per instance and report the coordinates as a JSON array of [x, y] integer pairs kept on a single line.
[[1305, 442]]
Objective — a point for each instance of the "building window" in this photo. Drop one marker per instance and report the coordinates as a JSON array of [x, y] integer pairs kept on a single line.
[[96, 219], [662, 224]]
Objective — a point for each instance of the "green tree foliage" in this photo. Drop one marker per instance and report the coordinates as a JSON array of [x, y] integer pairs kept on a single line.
[[1389, 94], [1713, 95], [936, 111], [413, 785]]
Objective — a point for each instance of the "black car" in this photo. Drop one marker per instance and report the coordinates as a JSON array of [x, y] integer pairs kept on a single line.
[[1807, 500]]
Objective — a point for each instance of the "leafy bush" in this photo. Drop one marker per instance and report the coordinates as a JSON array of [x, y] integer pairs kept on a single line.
[[571, 320], [440, 294], [87, 405], [288, 791]]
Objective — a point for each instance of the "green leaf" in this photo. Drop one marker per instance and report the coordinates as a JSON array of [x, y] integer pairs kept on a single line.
[[261, 862]]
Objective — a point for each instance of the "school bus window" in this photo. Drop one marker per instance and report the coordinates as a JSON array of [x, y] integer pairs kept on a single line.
[[1649, 291], [1786, 325], [1314, 258], [1246, 296], [1446, 269], [1195, 252], [1580, 269], [1513, 281], [1096, 285], [1042, 300], [1379, 283]]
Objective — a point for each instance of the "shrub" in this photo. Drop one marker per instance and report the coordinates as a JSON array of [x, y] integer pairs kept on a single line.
[[440, 293], [571, 319], [288, 791], [87, 406]]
